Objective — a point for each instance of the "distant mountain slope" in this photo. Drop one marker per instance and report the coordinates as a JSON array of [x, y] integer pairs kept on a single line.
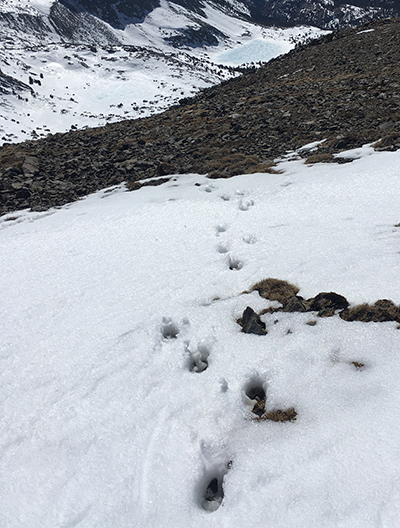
[[82, 71], [337, 93], [326, 14]]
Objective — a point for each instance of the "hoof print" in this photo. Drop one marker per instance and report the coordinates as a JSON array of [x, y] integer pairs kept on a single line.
[[221, 228], [214, 494], [169, 328], [251, 323]]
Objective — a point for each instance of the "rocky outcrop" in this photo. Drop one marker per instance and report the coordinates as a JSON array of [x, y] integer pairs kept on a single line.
[[342, 90], [116, 14], [9, 85]]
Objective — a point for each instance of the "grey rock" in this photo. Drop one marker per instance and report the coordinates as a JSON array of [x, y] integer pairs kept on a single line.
[[295, 304], [251, 323]]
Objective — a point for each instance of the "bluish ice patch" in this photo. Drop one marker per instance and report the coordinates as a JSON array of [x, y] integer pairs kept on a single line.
[[254, 51]]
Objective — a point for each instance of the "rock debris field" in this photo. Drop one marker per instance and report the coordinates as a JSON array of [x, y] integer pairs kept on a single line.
[[342, 91]]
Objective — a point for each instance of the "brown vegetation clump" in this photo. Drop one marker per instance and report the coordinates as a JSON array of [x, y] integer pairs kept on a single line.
[[358, 365], [234, 164], [320, 157], [389, 141], [289, 415], [383, 310], [275, 290]]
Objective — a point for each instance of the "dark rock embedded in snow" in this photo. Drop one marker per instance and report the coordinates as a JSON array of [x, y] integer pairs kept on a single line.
[[295, 304], [251, 323], [327, 303]]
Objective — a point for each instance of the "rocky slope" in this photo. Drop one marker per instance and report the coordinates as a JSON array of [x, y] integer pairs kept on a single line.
[[342, 90]]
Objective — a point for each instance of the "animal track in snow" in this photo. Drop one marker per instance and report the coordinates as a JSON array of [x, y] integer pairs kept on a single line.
[[250, 239], [210, 492], [235, 263], [255, 395], [221, 228], [169, 328], [208, 188], [222, 248], [245, 204], [198, 359]]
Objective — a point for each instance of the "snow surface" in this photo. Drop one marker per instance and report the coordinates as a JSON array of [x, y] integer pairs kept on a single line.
[[104, 425]]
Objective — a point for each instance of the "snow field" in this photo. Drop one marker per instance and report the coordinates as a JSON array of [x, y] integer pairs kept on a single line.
[[105, 423]]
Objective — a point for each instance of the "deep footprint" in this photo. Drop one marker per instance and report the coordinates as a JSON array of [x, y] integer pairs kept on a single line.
[[212, 490], [235, 263], [254, 390]]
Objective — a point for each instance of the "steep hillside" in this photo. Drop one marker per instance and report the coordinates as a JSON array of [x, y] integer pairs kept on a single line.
[[341, 91]]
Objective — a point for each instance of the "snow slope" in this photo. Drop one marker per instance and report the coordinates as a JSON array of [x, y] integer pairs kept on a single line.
[[90, 81], [103, 424]]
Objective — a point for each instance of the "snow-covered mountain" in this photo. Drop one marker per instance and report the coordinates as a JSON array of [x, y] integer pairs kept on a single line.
[[327, 14], [83, 63], [63, 66]]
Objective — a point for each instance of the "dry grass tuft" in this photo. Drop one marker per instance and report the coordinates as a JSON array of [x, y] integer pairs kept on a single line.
[[289, 415], [275, 290], [320, 157], [383, 310], [389, 141], [134, 186]]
